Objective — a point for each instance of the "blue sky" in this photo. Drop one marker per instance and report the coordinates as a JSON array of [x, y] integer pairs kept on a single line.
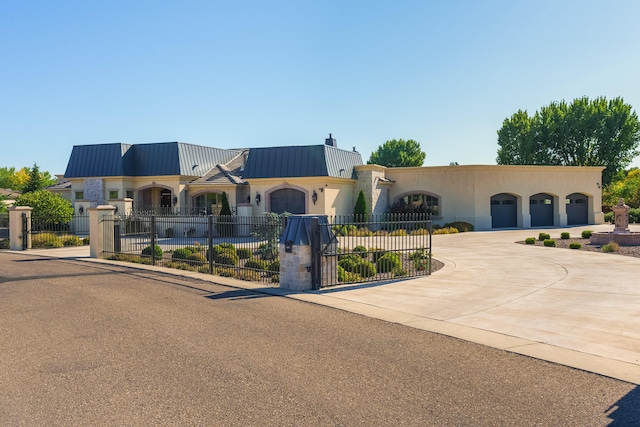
[[254, 73]]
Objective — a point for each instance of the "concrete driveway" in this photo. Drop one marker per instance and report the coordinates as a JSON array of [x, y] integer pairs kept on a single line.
[[576, 308]]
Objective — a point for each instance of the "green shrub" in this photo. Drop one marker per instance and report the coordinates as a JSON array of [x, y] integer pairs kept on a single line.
[[608, 217], [530, 240], [156, 251], [197, 258], [388, 262], [274, 268], [244, 253], [461, 226], [549, 242], [361, 251], [45, 240], [344, 230], [71, 240], [192, 249], [586, 234], [610, 247], [220, 249], [258, 264], [420, 259], [399, 272], [347, 276], [377, 253], [575, 245], [85, 241], [419, 232], [227, 258], [446, 230], [399, 232], [543, 236], [565, 235], [181, 254], [634, 215], [380, 232], [355, 264]]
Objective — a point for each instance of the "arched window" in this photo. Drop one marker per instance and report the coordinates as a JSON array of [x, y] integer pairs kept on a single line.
[[207, 203], [417, 202]]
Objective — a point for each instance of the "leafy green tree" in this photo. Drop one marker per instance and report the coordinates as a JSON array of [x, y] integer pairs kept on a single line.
[[627, 188], [48, 208], [360, 210], [8, 178], [583, 133], [398, 153], [37, 180]]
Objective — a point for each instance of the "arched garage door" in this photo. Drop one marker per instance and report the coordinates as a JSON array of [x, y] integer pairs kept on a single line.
[[577, 209], [504, 211], [287, 200], [541, 210]]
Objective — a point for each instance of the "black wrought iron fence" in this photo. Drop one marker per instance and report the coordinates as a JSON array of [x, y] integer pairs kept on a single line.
[[49, 233], [4, 230], [376, 248], [232, 246]]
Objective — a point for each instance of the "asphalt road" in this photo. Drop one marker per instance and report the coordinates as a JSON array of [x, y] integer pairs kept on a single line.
[[89, 344]]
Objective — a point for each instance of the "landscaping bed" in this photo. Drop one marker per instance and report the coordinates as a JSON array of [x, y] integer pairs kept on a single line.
[[586, 245]]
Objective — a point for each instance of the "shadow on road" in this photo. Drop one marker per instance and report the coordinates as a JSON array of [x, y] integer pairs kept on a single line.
[[626, 411], [237, 294]]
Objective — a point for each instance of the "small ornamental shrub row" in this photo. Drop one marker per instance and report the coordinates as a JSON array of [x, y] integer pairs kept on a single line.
[[565, 235], [52, 240], [610, 247], [549, 242], [543, 236], [530, 240], [575, 245], [586, 234], [446, 230]]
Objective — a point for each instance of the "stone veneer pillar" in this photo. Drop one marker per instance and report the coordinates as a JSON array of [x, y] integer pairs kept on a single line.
[[369, 178]]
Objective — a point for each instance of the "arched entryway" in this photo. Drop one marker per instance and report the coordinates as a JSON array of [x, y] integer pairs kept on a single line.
[[577, 209], [287, 200], [504, 211], [541, 210]]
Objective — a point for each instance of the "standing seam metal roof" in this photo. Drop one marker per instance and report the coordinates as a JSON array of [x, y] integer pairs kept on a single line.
[[166, 158], [301, 161]]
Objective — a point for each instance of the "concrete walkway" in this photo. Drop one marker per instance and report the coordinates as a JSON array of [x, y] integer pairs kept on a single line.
[[576, 308]]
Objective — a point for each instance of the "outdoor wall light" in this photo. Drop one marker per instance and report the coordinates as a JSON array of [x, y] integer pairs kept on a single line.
[[258, 198], [81, 210], [175, 200], [314, 197]]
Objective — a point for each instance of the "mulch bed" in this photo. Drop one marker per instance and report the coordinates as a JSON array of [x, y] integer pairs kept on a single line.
[[633, 251]]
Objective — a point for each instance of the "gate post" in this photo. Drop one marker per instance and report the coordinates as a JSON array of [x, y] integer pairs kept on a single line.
[[315, 254], [19, 227], [100, 232]]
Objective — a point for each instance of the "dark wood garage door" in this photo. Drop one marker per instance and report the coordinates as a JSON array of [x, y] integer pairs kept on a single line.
[[577, 209], [288, 200], [504, 211], [541, 210]]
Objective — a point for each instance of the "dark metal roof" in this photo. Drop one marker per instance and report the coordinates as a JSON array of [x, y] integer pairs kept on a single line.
[[301, 161], [165, 158]]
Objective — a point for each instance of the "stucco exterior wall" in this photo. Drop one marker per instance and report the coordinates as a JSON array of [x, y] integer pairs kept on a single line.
[[465, 191], [334, 196]]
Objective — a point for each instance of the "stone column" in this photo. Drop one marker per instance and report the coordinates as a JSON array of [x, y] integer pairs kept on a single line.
[[17, 237], [100, 236]]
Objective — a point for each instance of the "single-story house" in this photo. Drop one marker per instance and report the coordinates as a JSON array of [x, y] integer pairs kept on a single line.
[[324, 179]]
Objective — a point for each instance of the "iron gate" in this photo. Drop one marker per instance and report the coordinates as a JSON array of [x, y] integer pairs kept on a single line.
[[375, 248]]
